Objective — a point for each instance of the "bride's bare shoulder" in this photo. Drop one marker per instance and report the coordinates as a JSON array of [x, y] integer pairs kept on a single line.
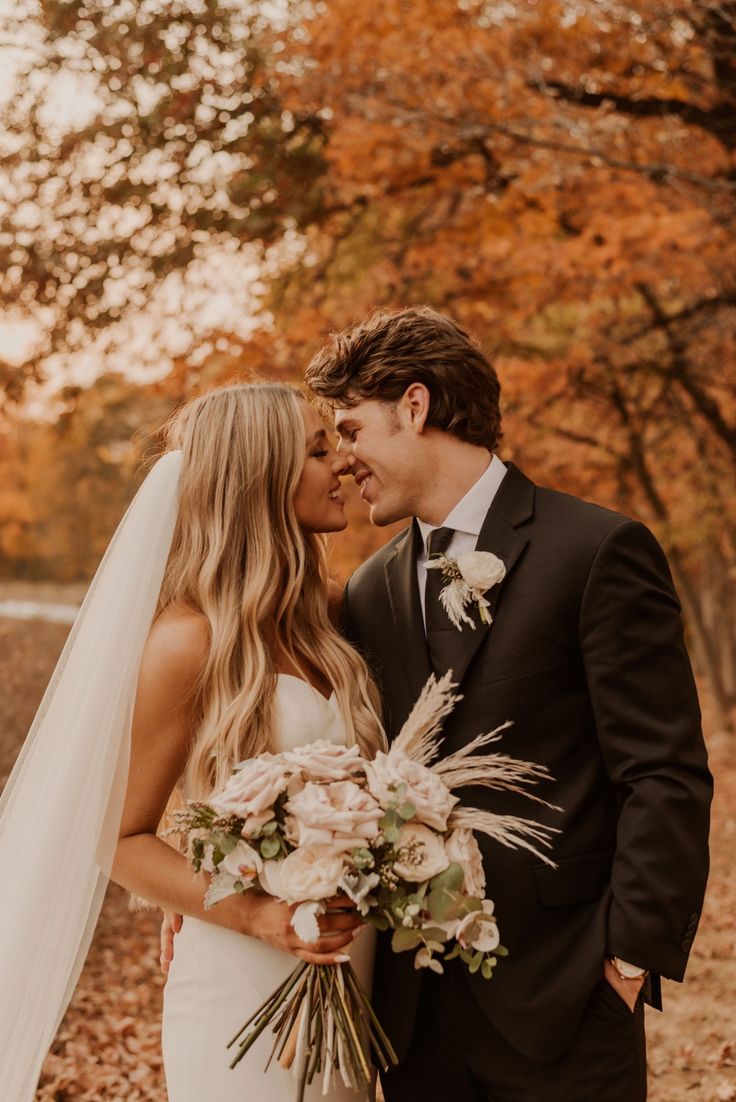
[[178, 643]]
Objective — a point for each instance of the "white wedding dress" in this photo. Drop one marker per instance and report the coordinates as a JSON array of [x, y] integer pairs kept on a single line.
[[219, 977]]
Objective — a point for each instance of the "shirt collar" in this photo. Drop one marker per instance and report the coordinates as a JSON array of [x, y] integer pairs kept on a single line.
[[470, 512]]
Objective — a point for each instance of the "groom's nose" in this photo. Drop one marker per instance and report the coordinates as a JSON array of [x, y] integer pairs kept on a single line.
[[342, 462]]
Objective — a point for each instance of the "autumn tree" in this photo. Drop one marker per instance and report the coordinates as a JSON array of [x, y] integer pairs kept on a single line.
[[559, 175], [560, 178], [68, 480], [182, 146]]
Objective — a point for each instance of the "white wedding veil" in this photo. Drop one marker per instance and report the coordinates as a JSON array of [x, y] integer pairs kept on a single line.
[[60, 810]]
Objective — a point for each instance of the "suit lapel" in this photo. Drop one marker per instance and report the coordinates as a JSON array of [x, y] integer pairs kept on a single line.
[[510, 508], [403, 592]]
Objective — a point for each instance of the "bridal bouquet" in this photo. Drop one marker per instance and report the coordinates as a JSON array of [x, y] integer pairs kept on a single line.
[[310, 823]]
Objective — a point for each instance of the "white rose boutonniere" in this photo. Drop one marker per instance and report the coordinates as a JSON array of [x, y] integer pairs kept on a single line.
[[469, 577]]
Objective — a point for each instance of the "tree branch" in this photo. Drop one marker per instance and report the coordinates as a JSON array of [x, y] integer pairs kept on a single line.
[[720, 121]]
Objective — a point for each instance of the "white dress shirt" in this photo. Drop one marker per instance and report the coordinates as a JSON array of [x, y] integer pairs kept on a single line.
[[466, 519]]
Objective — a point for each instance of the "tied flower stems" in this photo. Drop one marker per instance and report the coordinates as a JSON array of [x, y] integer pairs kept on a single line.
[[323, 1021]]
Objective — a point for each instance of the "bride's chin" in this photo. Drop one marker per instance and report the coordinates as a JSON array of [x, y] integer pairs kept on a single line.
[[339, 524], [336, 525]]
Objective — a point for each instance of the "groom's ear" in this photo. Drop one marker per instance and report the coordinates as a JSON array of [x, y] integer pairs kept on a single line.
[[414, 407]]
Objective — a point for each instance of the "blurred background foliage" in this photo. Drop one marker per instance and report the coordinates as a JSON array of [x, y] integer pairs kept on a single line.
[[558, 175]]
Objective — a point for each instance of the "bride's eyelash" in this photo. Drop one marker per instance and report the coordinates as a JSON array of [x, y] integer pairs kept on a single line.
[[318, 455]]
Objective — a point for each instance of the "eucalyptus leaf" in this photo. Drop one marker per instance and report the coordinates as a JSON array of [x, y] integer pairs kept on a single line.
[[362, 858], [475, 963], [405, 938], [390, 824], [450, 878], [435, 933], [270, 847], [470, 904], [226, 843]]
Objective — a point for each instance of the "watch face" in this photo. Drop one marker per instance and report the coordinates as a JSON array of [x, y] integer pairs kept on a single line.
[[628, 971]]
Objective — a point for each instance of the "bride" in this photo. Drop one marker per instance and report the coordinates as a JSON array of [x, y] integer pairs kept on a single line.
[[221, 552]]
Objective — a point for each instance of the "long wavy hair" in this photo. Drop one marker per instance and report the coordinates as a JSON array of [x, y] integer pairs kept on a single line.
[[240, 558]]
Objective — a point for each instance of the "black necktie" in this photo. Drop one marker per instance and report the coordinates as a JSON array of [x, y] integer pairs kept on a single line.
[[441, 635]]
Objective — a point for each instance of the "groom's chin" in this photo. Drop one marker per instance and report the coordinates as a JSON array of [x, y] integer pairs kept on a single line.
[[381, 518]]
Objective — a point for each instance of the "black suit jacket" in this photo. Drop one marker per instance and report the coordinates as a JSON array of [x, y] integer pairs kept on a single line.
[[586, 656]]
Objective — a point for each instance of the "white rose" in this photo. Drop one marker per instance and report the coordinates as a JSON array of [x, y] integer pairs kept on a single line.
[[325, 761], [479, 930], [423, 854], [462, 848], [252, 791], [480, 569], [310, 872], [424, 789], [242, 863], [341, 814]]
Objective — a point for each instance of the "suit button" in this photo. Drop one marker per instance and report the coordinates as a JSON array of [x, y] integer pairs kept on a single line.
[[694, 916], [687, 942]]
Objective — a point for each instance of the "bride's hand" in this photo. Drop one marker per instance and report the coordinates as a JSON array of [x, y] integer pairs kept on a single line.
[[170, 925], [270, 920]]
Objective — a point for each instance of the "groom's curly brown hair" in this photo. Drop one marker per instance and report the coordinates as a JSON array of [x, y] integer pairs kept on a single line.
[[384, 355]]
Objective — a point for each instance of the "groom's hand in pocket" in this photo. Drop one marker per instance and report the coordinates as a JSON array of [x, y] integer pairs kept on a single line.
[[628, 990], [170, 925]]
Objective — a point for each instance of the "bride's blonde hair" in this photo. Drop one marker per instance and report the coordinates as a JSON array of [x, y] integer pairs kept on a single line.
[[240, 558]]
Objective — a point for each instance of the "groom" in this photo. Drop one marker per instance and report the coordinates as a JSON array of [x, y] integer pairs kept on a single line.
[[585, 655]]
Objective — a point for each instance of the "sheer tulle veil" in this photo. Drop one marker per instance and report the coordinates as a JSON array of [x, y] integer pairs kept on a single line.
[[60, 810]]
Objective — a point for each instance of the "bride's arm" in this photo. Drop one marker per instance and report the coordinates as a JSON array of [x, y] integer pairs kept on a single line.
[[163, 726]]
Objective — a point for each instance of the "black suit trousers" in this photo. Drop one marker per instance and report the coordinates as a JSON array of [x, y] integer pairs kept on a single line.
[[456, 1055]]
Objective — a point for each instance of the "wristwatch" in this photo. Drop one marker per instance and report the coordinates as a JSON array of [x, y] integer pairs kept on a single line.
[[628, 971]]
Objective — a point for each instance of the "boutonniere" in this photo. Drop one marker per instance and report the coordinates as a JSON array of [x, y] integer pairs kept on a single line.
[[468, 579]]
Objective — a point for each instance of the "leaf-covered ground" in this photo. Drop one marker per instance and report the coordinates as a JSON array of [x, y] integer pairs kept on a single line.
[[108, 1046]]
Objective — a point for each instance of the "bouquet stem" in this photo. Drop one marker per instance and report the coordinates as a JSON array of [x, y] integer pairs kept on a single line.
[[323, 1022]]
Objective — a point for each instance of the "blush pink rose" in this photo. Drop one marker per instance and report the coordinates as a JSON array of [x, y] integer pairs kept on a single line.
[[424, 854], [341, 814], [424, 789], [252, 791], [324, 761], [310, 872]]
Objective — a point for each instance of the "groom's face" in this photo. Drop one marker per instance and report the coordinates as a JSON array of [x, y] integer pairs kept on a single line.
[[381, 447]]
